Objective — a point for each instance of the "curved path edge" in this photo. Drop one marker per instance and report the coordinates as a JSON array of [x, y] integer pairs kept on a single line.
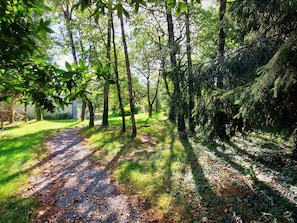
[[70, 188]]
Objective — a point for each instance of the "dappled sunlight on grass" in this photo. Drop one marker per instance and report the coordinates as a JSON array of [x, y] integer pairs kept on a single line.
[[21, 149], [254, 175], [150, 164], [190, 180], [136, 174]]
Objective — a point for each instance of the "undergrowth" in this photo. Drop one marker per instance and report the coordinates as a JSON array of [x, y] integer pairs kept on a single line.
[[186, 180]]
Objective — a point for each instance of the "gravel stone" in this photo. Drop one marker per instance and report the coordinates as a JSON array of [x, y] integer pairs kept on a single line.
[[72, 189]]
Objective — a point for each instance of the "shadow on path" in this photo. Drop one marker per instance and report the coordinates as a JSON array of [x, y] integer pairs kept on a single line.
[[265, 200], [72, 189], [212, 204]]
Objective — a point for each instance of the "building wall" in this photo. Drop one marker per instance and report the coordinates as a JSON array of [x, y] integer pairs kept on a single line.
[[31, 110]]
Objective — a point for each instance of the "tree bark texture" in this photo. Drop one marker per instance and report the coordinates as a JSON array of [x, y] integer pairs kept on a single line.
[[151, 102], [172, 109], [92, 115], [38, 113], [221, 41], [190, 73], [130, 87], [116, 71], [12, 111], [67, 16], [83, 110], [105, 106], [222, 35], [106, 85], [176, 99]]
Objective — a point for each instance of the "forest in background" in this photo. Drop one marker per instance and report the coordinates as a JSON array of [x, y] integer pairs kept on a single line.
[[224, 75], [223, 68]]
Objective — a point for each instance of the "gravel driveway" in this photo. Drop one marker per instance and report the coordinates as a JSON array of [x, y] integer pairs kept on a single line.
[[71, 188]]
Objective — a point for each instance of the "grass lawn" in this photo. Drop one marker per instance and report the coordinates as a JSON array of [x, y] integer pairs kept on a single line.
[[196, 180], [21, 149], [249, 179]]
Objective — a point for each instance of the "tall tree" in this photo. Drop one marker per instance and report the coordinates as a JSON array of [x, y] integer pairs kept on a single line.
[[221, 40], [270, 98], [129, 76], [175, 74], [189, 69], [116, 71], [106, 85], [147, 55], [67, 7]]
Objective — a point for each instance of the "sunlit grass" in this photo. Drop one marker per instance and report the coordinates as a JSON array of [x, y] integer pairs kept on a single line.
[[177, 181], [21, 148], [146, 164]]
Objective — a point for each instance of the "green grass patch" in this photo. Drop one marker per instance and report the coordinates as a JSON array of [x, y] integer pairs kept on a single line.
[[185, 181], [21, 149], [148, 164]]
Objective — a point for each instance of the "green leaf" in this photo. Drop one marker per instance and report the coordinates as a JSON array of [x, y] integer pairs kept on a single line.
[[43, 26], [81, 63], [120, 11], [170, 5], [9, 99], [182, 7], [68, 66]]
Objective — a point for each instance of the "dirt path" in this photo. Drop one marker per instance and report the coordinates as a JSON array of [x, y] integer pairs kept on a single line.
[[72, 189]]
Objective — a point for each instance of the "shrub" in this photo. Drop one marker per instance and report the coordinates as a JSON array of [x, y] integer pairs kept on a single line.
[[59, 116], [127, 110]]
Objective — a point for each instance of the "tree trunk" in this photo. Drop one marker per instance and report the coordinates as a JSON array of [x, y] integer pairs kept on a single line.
[[190, 73], [12, 111], [38, 113], [150, 108], [154, 98], [92, 115], [150, 105], [105, 106], [176, 101], [173, 108], [70, 34], [83, 110], [67, 16], [106, 85], [171, 115], [25, 113], [221, 41], [130, 87], [116, 71]]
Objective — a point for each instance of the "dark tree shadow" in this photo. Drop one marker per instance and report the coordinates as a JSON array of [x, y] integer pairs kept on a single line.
[[213, 205], [265, 199], [90, 197], [277, 160]]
